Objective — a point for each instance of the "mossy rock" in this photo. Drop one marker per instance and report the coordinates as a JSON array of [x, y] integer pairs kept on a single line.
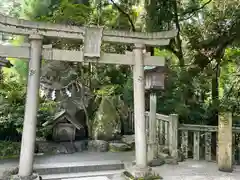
[[12, 174], [9, 173], [156, 162], [129, 176], [106, 123], [119, 147], [129, 140], [34, 176]]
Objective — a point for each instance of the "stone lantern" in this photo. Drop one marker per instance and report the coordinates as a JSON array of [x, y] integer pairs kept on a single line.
[[154, 77], [154, 80]]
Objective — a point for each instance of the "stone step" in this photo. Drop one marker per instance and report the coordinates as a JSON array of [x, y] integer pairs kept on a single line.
[[90, 178], [88, 175], [76, 167]]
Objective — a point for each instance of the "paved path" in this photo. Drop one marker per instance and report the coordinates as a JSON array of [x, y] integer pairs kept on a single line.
[[196, 170], [188, 170], [193, 170]]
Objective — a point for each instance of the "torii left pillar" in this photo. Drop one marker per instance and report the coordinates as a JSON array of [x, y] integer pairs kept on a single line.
[[31, 107]]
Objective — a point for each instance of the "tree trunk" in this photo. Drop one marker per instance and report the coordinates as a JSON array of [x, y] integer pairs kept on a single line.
[[215, 94]]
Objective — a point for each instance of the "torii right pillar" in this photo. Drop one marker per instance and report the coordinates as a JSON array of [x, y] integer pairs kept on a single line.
[[141, 167]]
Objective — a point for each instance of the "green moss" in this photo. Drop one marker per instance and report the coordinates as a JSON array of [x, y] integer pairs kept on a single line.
[[113, 148], [149, 176], [9, 157]]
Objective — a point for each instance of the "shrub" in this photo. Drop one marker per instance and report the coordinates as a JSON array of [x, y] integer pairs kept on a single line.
[[9, 149]]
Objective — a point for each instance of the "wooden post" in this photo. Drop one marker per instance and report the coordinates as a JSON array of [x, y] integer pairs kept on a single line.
[[225, 142], [173, 135], [152, 149]]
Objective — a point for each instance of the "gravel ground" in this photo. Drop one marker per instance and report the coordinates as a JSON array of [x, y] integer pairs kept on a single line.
[[193, 170], [196, 170]]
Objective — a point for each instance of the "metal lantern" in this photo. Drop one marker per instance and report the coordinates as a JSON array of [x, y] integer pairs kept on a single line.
[[154, 77]]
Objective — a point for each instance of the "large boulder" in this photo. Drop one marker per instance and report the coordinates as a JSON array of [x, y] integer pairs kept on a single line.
[[156, 162], [171, 160], [129, 139], [106, 124], [181, 157], [98, 146], [118, 147], [51, 148], [81, 145], [163, 149]]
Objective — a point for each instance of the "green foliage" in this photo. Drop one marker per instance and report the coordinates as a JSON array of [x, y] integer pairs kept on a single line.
[[46, 113], [11, 8], [9, 149], [108, 90], [12, 105]]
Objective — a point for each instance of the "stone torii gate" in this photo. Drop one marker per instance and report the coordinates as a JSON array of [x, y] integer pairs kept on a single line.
[[92, 37]]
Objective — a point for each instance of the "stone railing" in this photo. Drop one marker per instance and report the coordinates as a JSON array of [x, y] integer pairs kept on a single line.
[[191, 137], [162, 128], [194, 141], [201, 140], [167, 130]]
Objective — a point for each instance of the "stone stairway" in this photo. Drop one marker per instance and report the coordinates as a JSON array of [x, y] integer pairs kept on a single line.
[[79, 170], [73, 166]]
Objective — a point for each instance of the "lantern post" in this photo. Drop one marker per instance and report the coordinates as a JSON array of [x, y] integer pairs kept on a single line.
[[154, 81]]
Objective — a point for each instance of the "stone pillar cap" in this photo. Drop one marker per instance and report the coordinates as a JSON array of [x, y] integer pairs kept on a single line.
[[36, 36]]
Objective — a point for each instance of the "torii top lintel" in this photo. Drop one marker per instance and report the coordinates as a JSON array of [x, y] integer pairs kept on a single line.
[[25, 27]]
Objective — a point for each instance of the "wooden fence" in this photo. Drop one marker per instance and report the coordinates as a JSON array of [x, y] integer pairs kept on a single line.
[[194, 141]]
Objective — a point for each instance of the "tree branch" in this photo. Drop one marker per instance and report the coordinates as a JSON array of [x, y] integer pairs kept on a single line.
[[178, 41], [189, 17], [126, 14], [196, 9]]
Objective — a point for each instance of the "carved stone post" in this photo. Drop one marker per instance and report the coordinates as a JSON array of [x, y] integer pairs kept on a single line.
[[225, 142], [31, 107], [173, 135], [152, 146], [139, 110]]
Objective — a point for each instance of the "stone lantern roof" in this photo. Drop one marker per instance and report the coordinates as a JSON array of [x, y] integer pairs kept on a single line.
[[154, 68], [5, 63]]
